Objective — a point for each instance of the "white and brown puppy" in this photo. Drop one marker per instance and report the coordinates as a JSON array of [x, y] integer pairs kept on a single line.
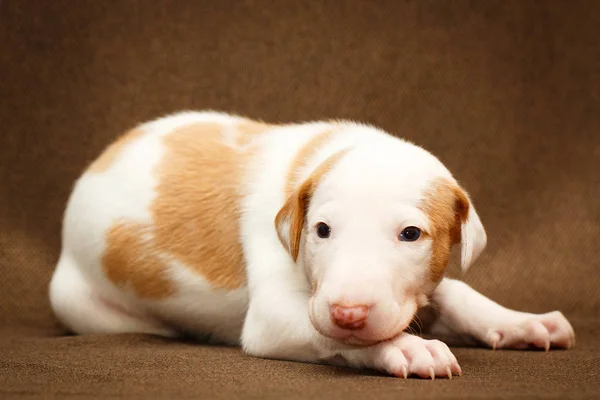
[[313, 242]]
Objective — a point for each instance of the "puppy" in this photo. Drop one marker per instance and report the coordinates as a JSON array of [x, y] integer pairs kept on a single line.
[[314, 242]]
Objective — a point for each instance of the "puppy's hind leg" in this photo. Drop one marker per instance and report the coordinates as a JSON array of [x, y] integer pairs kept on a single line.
[[84, 311]]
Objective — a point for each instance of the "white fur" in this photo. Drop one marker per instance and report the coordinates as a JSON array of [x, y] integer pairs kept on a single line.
[[368, 197]]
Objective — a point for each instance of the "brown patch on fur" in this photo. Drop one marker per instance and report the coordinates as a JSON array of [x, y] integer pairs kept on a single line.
[[109, 155], [195, 217], [447, 206], [294, 210], [303, 157], [196, 213], [130, 260], [249, 130]]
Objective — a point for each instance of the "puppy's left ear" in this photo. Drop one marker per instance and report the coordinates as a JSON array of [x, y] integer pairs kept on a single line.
[[472, 234]]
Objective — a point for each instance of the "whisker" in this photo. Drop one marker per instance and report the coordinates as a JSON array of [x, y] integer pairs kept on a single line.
[[411, 330], [419, 323]]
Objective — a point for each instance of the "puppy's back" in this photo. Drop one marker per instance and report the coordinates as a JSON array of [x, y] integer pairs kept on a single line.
[[159, 207]]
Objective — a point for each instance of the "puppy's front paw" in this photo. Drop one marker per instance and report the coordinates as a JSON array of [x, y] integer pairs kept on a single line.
[[411, 355], [541, 331]]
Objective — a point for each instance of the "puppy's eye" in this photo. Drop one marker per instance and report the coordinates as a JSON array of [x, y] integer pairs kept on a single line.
[[323, 230], [410, 234]]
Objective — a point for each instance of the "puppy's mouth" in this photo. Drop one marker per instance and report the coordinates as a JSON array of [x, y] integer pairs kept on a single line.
[[352, 339], [355, 339], [349, 338]]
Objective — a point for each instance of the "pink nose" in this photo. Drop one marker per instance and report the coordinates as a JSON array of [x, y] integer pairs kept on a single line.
[[351, 318]]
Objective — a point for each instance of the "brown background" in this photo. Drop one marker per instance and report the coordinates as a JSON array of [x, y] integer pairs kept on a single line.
[[505, 93]]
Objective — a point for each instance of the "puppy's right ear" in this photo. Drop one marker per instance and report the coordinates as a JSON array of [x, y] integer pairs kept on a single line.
[[289, 221]]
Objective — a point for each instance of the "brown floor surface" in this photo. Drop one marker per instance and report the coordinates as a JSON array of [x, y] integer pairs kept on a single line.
[[506, 93], [138, 366]]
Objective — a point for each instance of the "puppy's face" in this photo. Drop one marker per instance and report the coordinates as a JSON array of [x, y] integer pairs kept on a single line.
[[373, 229]]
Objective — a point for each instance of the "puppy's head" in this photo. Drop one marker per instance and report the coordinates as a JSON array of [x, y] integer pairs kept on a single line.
[[373, 228]]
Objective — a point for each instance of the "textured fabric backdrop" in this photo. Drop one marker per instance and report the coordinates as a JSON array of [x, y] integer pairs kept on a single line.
[[505, 93]]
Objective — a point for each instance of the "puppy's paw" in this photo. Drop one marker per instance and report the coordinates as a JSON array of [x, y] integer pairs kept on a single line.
[[541, 331], [411, 355]]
